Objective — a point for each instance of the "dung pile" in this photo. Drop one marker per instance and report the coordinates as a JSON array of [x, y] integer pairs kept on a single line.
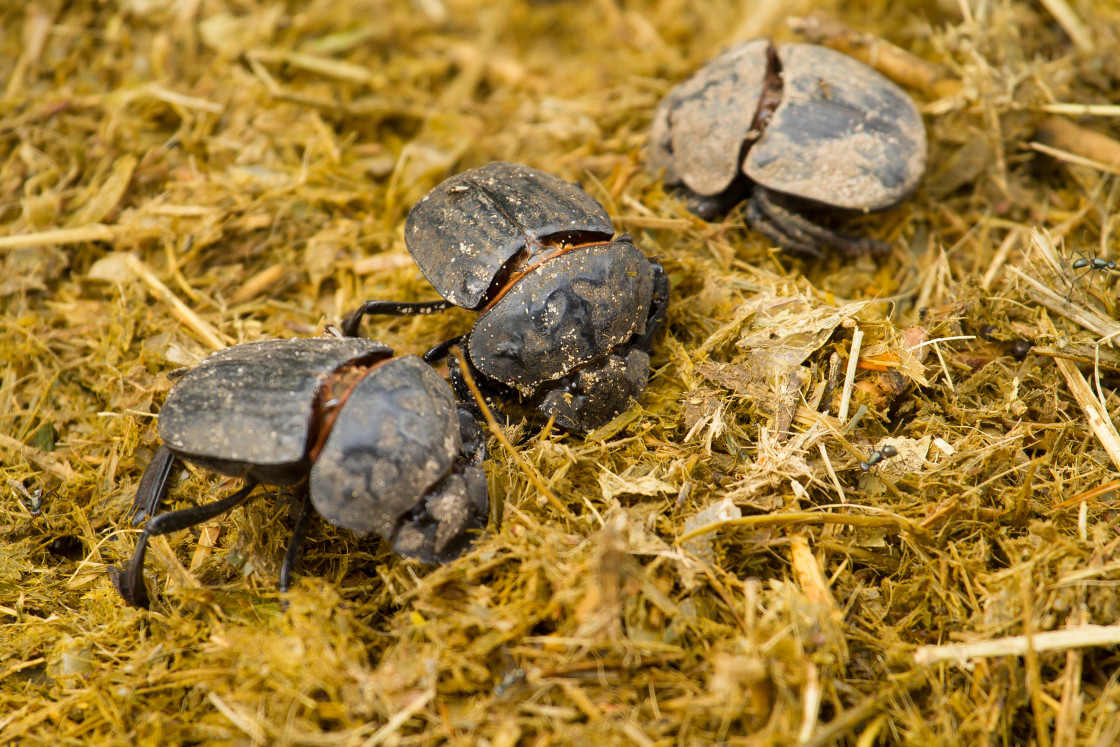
[[714, 565]]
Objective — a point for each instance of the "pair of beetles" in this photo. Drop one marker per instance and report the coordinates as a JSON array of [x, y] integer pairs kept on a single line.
[[382, 444]]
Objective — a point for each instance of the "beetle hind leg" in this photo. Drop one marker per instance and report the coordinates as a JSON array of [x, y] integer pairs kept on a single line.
[[792, 230], [130, 581], [153, 485], [295, 544]]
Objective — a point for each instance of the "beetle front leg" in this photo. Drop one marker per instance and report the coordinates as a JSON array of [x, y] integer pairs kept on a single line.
[[441, 350], [391, 308], [130, 581], [658, 308], [792, 230], [465, 396]]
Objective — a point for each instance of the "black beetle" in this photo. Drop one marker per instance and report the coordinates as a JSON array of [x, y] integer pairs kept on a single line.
[[567, 313], [377, 441], [794, 129]]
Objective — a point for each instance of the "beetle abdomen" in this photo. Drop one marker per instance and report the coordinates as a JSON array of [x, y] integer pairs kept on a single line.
[[464, 231], [707, 117], [246, 409], [843, 135]]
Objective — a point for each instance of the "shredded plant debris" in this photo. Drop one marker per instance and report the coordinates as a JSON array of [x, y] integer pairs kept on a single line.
[[714, 566]]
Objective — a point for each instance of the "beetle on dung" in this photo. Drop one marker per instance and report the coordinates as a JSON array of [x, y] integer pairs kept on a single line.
[[799, 131], [567, 312], [376, 444]]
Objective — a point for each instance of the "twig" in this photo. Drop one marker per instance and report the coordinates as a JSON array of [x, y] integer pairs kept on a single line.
[[1066, 137], [1034, 678], [811, 697], [810, 577], [1081, 110], [524, 466], [898, 64], [832, 472], [1071, 157], [1083, 636], [1108, 487], [850, 376], [180, 310], [1051, 352], [807, 517], [393, 725], [1098, 418], [1070, 23], [93, 232], [1005, 248], [944, 368], [1078, 314], [36, 456]]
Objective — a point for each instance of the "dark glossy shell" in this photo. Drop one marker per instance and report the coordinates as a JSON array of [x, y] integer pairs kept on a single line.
[[571, 309], [246, 410], [843, 135], [699, 128], [465, 230], [395, 436]]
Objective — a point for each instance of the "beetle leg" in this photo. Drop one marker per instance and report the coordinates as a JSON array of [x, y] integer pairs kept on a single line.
[[295, 544], [153, 484], [440, 351], [713, 207], [392, 308], [760, 222], [465, 396], [130, 581], [799, 232], [471, 436], [658, 307]]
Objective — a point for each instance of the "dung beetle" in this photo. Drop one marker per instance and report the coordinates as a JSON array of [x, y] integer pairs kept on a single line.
[[567, 313], [796, 130], [374, 443]]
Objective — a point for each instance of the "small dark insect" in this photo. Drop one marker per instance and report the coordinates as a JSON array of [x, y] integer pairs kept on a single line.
[[568, 313], [798, 131], [1094, 265], [877, 456], [375, 443], [1020, 349]]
